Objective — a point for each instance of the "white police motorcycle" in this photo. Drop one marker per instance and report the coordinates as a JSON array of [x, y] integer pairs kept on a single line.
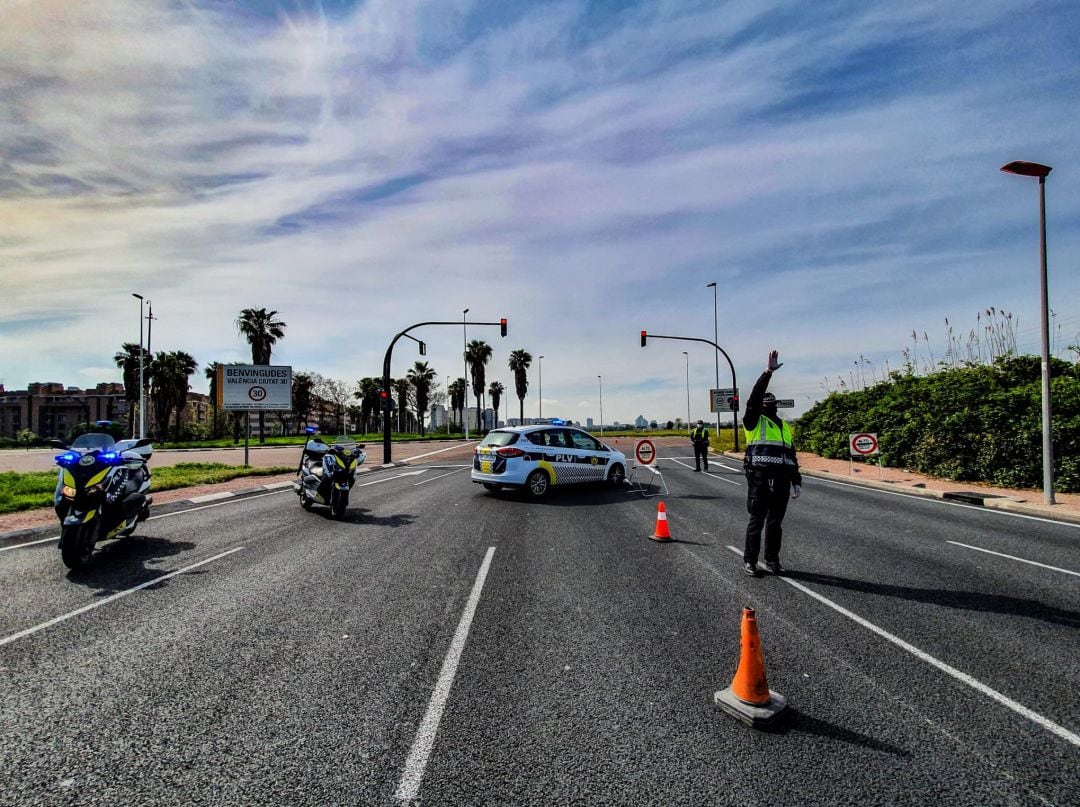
[[327, 473]]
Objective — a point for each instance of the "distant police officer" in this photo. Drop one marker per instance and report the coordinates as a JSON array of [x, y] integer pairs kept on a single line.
[[700, 438], [772, 473]]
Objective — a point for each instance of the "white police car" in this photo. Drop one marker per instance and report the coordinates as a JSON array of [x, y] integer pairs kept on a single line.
[[537, 457]]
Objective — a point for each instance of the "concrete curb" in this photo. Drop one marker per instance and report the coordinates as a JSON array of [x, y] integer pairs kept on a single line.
[[1005, 503], [15, 536]]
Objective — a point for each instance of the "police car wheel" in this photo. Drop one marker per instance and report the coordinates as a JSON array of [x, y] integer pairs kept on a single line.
[[616, 475], [537, 484]]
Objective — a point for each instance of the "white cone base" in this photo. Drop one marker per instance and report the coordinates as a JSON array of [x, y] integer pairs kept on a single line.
[[753, 716]]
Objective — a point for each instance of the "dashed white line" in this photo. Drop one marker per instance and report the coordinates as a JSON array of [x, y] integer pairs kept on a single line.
[[429, 726], [440, 476], [441, 451], [1013, 557], [63, 617], [963, 677]]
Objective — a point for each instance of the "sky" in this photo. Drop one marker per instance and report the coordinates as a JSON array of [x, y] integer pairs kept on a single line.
[[583, 168]]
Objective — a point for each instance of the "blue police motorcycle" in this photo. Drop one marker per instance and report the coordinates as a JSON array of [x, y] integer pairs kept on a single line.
[[101, 492]]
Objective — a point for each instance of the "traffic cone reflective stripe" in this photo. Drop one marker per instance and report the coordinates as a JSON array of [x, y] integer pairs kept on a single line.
[[661, 533], [749, 684], [749, 698]]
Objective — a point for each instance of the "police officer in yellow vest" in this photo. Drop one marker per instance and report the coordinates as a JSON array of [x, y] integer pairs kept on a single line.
[[699, 436], [772, 473]]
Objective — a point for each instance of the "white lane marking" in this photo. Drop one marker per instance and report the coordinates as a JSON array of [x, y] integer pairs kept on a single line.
[[219, 504], [63, 617], [988, 510], [440, 451], [392, 478], [429, 726], [714, 476], [29, 543], [963, 677], [1012, 557], [440, 476], [211, 497]]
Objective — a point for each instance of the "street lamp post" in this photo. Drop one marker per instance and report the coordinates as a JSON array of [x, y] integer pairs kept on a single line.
[[601, 380], [465, 405], [142, 384], [540, 384], [687, 390], [716, 362], [1027, 169]]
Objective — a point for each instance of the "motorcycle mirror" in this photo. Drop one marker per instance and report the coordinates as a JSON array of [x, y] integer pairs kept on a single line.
[[58, 443], [145, 441]]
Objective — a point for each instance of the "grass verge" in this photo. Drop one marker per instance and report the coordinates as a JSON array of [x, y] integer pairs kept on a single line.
[[29, 491]]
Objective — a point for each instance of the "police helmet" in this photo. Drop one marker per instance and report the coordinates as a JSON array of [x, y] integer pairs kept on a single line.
[[769, 399]]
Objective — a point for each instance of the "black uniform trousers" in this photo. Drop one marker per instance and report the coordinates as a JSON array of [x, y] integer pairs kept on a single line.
[[766, 502], [701, 455]]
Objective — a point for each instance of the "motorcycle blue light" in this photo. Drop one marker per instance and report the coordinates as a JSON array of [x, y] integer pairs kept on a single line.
[[67, 459], [109, 456]]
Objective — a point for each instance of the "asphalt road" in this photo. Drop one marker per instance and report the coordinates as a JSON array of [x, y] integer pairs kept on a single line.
[[451, 646]]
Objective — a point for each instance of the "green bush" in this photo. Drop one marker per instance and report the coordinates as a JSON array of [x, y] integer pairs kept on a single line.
[[980, 423]]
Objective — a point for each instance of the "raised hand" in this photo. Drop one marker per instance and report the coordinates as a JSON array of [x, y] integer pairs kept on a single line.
[[774, 362]]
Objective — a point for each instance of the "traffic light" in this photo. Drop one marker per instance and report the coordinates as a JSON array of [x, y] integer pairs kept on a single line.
[[423, 348], [734, 403], [644, 336], [384, 400], [502, 326]]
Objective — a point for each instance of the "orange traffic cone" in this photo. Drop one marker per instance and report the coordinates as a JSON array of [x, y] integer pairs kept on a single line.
[[661, 533], [749, 698]]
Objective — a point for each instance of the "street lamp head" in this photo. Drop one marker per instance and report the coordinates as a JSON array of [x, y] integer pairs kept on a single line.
[[466, 311], [711, 286], [1026, 169], [139, 296]]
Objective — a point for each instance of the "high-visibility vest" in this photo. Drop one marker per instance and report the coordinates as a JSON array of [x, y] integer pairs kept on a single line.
[[770, 445], [699, 433]]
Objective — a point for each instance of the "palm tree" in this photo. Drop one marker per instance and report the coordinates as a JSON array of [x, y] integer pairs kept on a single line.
[[477, 355], [184, 365], [128, 361], [262, 331], [456, 391], [520, 361], [211, 376], [301, 398], [367, 392], [169, 383], [496, 390], [401, 389], [421, 376]]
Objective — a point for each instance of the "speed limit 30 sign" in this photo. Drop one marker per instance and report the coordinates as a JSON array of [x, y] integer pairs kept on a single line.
[[864, 444]]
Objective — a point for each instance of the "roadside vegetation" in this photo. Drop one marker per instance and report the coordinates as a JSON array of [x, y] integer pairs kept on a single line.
[[27, 491], [967, 421]]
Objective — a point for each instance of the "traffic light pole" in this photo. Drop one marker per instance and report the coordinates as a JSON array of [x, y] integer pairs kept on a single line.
[[734, 384], [386, 371]]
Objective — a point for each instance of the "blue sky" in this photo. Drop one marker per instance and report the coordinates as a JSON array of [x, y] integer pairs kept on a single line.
[[582, 168]]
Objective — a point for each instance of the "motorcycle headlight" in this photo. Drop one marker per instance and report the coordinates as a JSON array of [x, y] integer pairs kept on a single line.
[[67, 492]]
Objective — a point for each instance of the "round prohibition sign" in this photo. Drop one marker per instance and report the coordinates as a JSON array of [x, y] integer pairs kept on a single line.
[[257, 393], [645, 452], [864, 444]]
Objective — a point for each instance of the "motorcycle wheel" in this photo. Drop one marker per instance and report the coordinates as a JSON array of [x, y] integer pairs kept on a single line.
[[339, 501], [305, 502], [77, 544]]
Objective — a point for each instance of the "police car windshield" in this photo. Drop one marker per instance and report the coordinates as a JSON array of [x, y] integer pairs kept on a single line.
[[499, 439], [94, 442]]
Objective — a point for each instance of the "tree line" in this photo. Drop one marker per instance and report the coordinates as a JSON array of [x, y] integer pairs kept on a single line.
[[168, 373]]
